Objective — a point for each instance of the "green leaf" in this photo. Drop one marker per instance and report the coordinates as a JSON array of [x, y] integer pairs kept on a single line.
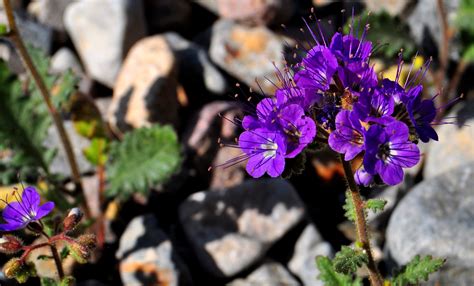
[[3, 30], [330, 277], [146, 157], [349, 207], [24, 123], [45, 281], [64, 253], [44, 257], [68, 281], [63, 89], [376, 205], [96, 153], [348, 260], [417, 270], [468, 54]]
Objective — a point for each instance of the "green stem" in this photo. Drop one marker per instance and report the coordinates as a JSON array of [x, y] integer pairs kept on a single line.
[[16, 38], [361, 224]]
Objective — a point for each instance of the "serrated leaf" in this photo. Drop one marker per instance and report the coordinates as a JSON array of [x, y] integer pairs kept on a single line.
[[348, 260], [146, 157], [96, 152], [349, 207], [376, 205], [330, 277], [417, 270]]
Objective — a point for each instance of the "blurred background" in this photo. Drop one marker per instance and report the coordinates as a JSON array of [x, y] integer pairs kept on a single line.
[[191, 65]]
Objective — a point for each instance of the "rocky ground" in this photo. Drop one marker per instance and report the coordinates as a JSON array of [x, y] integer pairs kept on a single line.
[[178, 62]]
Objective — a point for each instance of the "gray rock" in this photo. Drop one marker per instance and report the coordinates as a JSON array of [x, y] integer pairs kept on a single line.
[[63, 60], [437, 218], [424, 22], [60, 163], [11, 57], [145, 91], [309, 245], [455, 146], [232, 229], [270, 273], [102, 32], [248, 53], [147, 257], [252, 12], [36, 34], [194, 64]]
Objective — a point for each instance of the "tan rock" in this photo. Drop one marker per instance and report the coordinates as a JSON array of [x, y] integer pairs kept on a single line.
[[145, 91]]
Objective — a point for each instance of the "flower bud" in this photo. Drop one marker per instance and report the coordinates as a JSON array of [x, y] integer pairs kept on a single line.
[[73, 218], [19, 269], [88, 241], [82, 248], [10, 244]]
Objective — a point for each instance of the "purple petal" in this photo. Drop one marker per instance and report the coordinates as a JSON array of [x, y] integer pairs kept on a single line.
[[250, 122], [397, 131], [12, 226], [30, 198], [363, 178], [404, 155], [15, 212], [275, 169], [257, 165], [391, 174], [44, 210]]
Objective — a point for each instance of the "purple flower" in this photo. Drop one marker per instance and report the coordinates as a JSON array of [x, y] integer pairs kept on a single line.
[[19, 214], [422, 113], [265, 150], [348, 138], [347, 48], [388, 151], [363, 178], [319, 67]]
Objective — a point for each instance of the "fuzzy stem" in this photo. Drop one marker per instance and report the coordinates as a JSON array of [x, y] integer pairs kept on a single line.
[[58, 122], [57, 261], [361, 223]]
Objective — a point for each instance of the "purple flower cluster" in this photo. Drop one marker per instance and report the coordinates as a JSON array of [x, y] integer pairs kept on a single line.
[[336, 91]]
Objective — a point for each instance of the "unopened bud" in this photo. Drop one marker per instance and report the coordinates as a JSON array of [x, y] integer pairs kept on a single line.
[[72, 220], [19, 269], [10, 244], [82, 248], [88, 241]]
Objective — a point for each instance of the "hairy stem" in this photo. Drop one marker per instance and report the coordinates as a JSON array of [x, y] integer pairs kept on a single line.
[[361, 223], [58, 122], [57, 261]]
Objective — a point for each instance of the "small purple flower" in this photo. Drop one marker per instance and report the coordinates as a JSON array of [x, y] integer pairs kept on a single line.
[[348, 48], [422, 113], [19, 214], [319, 67], [388, 151], [363, 178], [348, 138], [265, 150]]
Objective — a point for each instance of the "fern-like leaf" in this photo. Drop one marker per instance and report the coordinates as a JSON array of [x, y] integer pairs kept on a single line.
[[376, 205], [348, 260], [349, 207], [417, 270], [146, 157], [330, 277]]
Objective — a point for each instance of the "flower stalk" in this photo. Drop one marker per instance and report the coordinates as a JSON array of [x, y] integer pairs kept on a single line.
[[58, 122], [361, 223]]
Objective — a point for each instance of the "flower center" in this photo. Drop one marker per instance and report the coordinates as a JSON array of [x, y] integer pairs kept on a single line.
[[384, 152], [270, 148]]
